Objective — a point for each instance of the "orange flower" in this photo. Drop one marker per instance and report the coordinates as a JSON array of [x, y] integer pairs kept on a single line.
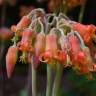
[[26, 41], [80, 57], [11, 58], [38, 48], [50, 49], [23, 23], [86, 31], [74, 44]]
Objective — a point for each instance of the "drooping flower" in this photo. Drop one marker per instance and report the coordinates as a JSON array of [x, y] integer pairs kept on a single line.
[[74, 44], [81, 58], [39, 48], [64, 48], [26, 41], [22, 24], [11, 58], [86, 31], [50, 47], [25, 45]]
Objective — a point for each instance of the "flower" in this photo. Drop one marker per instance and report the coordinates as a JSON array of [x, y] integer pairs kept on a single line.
[[39, 48], [86, 31], [50, 48], [25, 45], [11, 58], [22, 24]]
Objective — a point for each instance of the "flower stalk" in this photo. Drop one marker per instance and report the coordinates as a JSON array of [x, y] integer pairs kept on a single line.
[[81, 13], [49, 81], [34, 80], [57, 81]]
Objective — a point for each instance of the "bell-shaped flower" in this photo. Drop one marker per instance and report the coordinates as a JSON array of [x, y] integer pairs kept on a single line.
[[26, 41], [86, 31], [39, 48], [50, 47], [11, 58]]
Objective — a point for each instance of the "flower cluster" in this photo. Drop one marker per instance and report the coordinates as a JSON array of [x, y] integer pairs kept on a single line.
[[50, 38]]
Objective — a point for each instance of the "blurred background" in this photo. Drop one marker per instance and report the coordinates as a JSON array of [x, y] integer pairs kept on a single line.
[[11, 12]]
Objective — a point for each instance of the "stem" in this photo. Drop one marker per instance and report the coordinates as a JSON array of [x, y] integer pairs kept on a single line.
[[82, 9], [57, 81], [49, 81], [63, 7], [34, 81], [80, 39]]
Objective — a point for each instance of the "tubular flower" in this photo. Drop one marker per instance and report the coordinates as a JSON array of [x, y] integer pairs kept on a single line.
[[11, 58], [74, 50], [25, 45], [39, 48], [64, 43], [86, 31], [80, 58], [74, 44], [23, 23], [51, 48], [26, 41], [65, 47]]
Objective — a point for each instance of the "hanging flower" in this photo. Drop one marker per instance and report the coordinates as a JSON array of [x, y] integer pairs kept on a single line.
[[74, 51], [25, 45], [11, 58], [23, 23], [39, 48], [86, 31], [50, 48], [26, 41]]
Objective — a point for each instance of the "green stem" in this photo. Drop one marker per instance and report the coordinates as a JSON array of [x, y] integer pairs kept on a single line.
[[82, 9], [63, 7], [34, 80], [49, 81], [57, 81]]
